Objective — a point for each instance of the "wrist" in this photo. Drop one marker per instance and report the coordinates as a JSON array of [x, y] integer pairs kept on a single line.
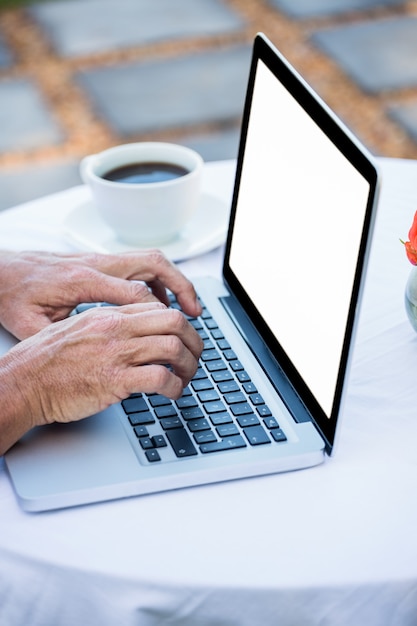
[[16, 416]]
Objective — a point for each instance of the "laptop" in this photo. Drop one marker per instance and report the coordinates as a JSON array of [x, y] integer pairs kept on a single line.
[[278, 329]]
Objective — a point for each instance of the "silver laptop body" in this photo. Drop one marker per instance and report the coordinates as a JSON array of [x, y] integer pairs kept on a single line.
[[283, 320]]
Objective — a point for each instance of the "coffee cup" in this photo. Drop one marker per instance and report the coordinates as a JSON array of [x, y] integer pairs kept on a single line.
[[147, 191]]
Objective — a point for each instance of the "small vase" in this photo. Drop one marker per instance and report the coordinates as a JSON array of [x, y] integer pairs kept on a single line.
[[410, 297]]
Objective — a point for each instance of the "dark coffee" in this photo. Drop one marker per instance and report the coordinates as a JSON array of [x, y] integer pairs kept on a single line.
[[145, 173]]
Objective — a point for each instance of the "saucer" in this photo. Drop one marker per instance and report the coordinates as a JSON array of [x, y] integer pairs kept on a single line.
[[206, 230]]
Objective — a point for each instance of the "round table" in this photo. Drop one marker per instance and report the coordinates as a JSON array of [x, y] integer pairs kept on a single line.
[[333, 545]]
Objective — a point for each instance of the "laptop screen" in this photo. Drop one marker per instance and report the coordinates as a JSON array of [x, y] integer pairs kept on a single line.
[[299, 213]]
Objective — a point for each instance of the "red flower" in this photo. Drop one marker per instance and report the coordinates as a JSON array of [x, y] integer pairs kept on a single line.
[[411, 246]]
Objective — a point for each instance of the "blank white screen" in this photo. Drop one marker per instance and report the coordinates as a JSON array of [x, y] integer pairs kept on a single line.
[[299, 219]]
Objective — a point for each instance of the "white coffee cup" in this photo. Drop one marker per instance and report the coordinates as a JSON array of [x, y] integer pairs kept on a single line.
[[145, 213]]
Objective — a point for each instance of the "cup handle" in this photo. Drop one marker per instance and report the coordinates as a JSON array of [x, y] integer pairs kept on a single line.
[[83, 167]]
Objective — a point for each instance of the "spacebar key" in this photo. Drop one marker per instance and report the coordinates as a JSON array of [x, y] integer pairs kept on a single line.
[[181, 442], [225, 444]]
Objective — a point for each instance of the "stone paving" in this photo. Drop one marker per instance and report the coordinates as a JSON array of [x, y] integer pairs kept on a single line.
[[77, 76], [319, 8], [129, 22], [31, 123], [207, 87], [378, 55]]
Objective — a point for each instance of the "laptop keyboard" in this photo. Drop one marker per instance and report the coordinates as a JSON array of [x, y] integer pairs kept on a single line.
[[221, 409]]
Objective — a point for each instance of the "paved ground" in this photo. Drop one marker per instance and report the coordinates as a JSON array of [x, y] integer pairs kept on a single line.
[[77, 76]]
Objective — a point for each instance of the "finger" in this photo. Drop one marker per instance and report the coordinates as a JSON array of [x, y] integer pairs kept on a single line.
[[151, 319], [167, 274], [114, 290], [151, 266], [127, 309], [159, 291], [162, 321], [165, 350], [154, 379]]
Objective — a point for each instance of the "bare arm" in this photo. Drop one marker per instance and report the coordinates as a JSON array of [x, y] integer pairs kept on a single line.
[[81, 365]]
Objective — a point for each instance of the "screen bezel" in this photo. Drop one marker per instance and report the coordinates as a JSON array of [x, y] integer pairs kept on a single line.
[[357, 155]]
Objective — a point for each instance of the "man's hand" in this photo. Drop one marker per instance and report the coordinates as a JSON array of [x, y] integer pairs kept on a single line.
[[38, 288], [81, 365]]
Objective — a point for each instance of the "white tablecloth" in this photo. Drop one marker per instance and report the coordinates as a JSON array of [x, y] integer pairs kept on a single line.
[[332, 545]]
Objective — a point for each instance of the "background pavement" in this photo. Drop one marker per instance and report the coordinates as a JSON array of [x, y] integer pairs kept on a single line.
[[77, 76]]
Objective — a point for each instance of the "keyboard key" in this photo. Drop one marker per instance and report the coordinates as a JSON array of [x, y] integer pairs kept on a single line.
[[168, 423], [264, 410], [134, 405], [208, 395], [217, 334], [141, 431], [228, 386], [250, 387], [181, 442], [243, 408], [236, 366], [205, 436], [256, 399], [223, 344], [222, 376], [196, 425], [227, 430], [200, 373], [192, 413], [146, 443], [235, 397], [210, 355], [214, 407], [135, 419], [166, 411], [152, 455], [205, 314], [202, 384], [256, 435], [85, 306], [220, 418], [271, 422], [158, 400], [247, 420], [186, 402], [231, 443], [141, 419], [230, 355], [159, 441], [210, 323], [243, 376], [278, 434], [216, 366]]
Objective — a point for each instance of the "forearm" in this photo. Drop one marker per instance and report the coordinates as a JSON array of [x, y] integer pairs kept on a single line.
[[15, 418]]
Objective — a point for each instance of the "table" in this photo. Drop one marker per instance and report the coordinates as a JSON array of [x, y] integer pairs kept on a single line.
[[332, 545]]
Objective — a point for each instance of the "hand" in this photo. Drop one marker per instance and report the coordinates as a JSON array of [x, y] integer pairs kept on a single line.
[[38, 288], [85, 363]]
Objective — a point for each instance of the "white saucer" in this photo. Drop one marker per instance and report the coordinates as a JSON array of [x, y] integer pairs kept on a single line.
[[85, 229]]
